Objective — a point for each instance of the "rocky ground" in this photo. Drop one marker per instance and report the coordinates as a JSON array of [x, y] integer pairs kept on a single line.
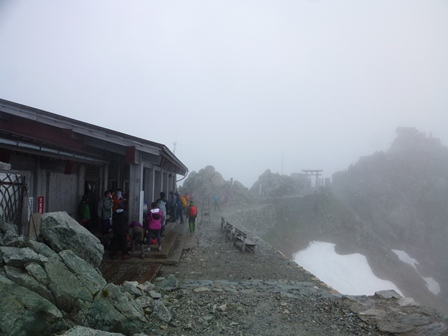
[[226, 292]]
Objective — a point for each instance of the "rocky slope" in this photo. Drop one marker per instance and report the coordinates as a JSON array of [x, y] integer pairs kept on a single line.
[[387, 201], [401, 197], [208, 182]]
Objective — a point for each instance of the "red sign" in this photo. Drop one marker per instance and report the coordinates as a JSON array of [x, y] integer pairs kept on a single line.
[[40, 204]]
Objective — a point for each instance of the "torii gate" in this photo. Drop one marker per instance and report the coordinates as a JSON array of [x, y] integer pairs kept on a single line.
[[312, 172]]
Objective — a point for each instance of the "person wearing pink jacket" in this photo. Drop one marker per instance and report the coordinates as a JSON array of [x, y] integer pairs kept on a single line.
[[155, 220]]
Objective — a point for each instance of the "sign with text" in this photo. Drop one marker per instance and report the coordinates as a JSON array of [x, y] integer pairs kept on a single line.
[[40, 204]]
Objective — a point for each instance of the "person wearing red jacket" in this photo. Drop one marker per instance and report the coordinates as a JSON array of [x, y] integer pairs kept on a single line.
[[192, 213]]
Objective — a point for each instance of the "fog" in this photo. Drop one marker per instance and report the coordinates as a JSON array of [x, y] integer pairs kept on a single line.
[[244, 86]]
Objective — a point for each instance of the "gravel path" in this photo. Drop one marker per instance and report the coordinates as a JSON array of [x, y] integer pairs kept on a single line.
[[226, 292]]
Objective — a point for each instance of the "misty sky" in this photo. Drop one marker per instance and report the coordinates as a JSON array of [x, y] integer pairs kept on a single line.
[[244, 86]]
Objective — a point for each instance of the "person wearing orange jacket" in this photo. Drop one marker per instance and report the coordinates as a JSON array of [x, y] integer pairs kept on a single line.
[[118, 199]]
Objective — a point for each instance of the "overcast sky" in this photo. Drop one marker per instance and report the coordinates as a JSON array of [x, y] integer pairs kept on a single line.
[[243, 86]]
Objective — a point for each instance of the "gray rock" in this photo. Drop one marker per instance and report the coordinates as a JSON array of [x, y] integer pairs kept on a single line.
[[376, 313], [24, 312], [415, 319], [43, 249], [388, 294], [393, 326], [67, 289], [433, 329], [91, 277], [112, 310], [161, 311], [84, 331], [18, 242], [169, 284], [19, 257], [132, 288], [153, 294], [407, 302], [146, 286], [22, 278], [201, 289], [61, 232], [37, 272], [144, 302]]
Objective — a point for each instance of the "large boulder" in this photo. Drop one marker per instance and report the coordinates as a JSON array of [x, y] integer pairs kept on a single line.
[[24, 312], [31, 308], [48, 289], [91, 277], [114, 310], [61, 232]]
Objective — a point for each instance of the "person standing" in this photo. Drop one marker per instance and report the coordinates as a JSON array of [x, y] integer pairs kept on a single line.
[[84, 210], [192, 213], [180, 208], [106, 212], [216, 202], [161, 204], [117, 199], [173, 206], [119, 227], [155, 219]]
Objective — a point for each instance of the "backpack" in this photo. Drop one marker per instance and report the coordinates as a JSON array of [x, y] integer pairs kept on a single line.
[[184, 202], [193, 210]]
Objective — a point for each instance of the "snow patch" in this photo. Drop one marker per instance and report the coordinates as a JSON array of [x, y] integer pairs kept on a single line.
[[432, 285], [348, 274]]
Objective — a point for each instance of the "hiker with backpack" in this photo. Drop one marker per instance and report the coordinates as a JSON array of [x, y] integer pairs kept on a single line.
[[192, 213], [137, 234], [155, 220]]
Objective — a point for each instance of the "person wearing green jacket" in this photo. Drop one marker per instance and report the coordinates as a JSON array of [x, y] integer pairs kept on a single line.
[[84, 210]]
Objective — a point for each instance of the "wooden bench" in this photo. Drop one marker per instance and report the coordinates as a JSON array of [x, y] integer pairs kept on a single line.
[[240, 240], [227, 228]]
